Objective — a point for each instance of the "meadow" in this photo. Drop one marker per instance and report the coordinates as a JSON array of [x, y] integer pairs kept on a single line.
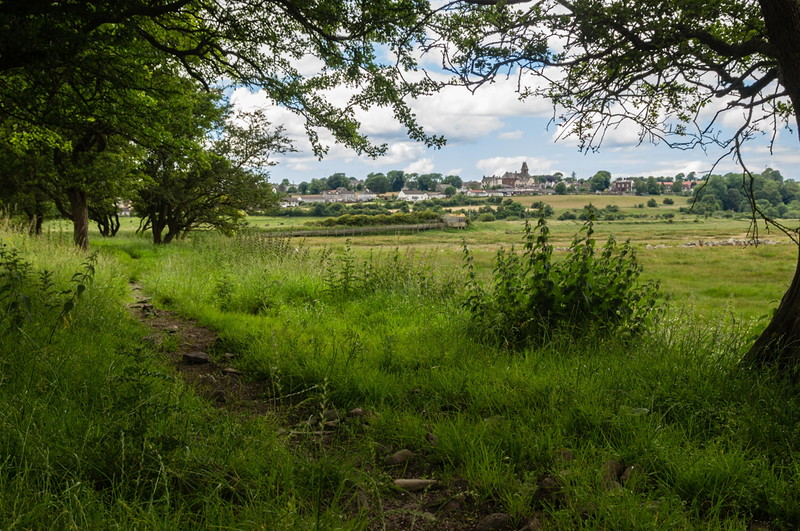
[[362, 367]]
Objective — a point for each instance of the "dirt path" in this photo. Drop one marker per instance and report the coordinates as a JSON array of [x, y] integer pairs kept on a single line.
[[191, 350]]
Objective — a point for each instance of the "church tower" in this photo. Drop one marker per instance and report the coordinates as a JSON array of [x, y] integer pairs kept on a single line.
[[524, 171]]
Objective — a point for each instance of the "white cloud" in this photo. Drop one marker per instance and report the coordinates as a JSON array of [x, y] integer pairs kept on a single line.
[[424, 165], [300, 166], [454, 171], [309, 65], [511, 135], [668, 168], [398, 153], [623, 136]]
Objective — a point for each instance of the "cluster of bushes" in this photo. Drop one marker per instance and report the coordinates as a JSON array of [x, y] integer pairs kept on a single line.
[[543, 209], [511, 212], [458, 200], [506, 209], [611, 212], [400, 218], [591, 212], [334, 210]]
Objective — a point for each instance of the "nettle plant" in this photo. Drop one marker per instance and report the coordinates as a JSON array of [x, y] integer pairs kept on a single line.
[[26, 295], [532, 297]]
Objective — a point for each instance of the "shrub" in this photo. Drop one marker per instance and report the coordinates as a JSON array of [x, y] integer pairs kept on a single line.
[[589, 212], [567, 215], [652, 203], [27, 296], [487, 216], [542, 209], [668, 201], [531, 295]]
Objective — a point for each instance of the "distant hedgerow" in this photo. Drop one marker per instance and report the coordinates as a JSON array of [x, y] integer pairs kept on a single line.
[[531, 296], [399, 218]]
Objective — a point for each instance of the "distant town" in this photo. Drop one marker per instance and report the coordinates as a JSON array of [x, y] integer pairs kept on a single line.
[[415, 187]]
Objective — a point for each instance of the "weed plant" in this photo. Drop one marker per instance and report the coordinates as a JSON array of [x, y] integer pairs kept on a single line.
[[532, 295]]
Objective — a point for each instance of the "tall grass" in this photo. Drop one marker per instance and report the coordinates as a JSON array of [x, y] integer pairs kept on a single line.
[[97, 431]]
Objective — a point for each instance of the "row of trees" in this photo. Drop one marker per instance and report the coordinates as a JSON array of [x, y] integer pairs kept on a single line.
[[396, 180], [201, 166], [379, 183]]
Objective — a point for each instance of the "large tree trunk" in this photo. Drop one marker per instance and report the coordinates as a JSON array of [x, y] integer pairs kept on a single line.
[[79, 212], [779, 344], [158, 229]]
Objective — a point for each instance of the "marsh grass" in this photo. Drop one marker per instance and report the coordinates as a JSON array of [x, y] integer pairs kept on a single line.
[[96, 431]]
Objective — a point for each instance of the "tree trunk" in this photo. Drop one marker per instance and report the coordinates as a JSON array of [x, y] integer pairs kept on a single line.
[[115, 224], [107, 224], [79, 212], [779, 343], [37, 224], [36, 218], [171, 233], [157, 228]]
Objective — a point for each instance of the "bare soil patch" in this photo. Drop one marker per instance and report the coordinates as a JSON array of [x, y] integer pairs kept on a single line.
[[188, 347]]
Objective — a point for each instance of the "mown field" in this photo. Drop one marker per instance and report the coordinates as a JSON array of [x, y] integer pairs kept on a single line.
[[98, 429]]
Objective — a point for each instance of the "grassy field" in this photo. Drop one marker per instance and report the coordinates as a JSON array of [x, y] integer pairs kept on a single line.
[[99, 430]]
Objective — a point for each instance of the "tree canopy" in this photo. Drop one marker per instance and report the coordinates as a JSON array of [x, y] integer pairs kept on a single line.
[[255, 44], [79, 77], [377, 183]]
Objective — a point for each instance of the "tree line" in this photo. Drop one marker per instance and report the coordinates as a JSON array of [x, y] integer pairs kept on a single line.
[[378, 183], [766, 192]]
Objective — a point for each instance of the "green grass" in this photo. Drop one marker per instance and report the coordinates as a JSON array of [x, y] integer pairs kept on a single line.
[[97, 431]]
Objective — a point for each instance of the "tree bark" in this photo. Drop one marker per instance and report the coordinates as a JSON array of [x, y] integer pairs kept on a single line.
[[36, 220], [779, 343], [157, 228], [79, 212]]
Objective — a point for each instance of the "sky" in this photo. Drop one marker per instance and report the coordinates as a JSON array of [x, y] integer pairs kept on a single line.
[[491, 132]]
